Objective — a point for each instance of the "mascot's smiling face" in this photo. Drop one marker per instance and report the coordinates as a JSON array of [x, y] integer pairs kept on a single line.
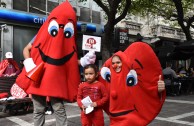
[[132, 77], [53, 30], [55, 40]]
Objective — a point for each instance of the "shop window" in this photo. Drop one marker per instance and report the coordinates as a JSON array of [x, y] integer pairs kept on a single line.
[[40, 7], [20, 5], [85, 15], [52, 5], [37, 6], [96, 17]]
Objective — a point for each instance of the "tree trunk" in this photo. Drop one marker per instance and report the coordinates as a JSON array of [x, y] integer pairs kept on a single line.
[[188, 34], [107, 39], [105, 47]]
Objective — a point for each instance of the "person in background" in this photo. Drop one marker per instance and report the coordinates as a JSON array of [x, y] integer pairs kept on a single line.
[[97, 93], [9, 67], [169, 70], [190, 74], [173, 86], [182, 72]]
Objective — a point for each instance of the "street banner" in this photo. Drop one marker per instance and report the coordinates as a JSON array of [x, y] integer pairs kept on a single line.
[[91, 43]]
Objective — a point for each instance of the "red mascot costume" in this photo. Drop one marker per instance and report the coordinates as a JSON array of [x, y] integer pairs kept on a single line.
[[54, 53], [134, 98]]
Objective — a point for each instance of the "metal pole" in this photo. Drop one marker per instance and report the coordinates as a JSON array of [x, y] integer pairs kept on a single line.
[[90, 6], [28, 6], [3, 27], [46, 7], [83, 30], [2, 39]]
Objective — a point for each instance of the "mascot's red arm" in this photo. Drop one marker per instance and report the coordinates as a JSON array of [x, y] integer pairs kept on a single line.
[[134, 98]]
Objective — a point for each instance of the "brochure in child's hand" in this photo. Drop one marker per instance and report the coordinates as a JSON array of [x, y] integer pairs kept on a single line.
[[87, 102], [89, 109]]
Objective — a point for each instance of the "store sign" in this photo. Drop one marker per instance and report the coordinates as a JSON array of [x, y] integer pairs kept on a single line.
[[91, 43], [121, 37], [12, 15], [19, 16], [38, 20]]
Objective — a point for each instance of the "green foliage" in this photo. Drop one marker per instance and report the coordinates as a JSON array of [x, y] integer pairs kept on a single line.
[[164, 8]]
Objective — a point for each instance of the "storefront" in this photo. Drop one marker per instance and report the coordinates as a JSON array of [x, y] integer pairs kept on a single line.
[[18, 28]]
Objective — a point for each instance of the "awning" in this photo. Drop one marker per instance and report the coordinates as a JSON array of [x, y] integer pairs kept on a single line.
[[183, 52], [31, 18], [180, 55], [186, 46]]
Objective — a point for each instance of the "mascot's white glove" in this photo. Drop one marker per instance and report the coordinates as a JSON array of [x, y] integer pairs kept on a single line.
[[29, 64], [89, 58]]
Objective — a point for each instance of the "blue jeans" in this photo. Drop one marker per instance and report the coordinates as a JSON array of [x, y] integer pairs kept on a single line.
[[57, 104]]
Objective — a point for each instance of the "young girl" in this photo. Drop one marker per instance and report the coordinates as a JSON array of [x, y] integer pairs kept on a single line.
[[97, 93]]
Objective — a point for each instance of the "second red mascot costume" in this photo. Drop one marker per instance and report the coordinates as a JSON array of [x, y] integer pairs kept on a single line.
[[55, 49], [134, 99]]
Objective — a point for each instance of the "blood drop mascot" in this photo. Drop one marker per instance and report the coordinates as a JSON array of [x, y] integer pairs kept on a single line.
[[52, 69], [134, 99]]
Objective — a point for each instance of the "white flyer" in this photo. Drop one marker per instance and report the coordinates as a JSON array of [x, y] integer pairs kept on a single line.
[[87, 103], [89, 109]]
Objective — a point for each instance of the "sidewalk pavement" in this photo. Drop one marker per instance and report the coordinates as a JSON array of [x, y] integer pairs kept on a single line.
[[176, 111]]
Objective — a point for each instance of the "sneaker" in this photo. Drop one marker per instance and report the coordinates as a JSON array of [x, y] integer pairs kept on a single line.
[[48, 112]]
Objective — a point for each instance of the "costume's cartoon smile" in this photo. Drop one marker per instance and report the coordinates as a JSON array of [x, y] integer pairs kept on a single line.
[[53, 61]]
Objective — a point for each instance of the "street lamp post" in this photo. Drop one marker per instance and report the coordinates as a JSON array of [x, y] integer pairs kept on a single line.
[[3, 28], [83, 30]]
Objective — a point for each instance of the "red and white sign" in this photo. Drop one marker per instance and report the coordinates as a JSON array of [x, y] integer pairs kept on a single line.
[[91, 43], [17, 92]]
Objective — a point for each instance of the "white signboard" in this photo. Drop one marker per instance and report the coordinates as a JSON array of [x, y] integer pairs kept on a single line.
[[91, 43]]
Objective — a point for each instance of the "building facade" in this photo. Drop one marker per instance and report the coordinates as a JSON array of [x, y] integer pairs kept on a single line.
[[163, 38], [20, 20]]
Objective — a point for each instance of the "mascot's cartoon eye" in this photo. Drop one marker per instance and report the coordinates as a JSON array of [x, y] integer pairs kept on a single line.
[[105, 73], [131, 78], [53, 28], [69, 30]]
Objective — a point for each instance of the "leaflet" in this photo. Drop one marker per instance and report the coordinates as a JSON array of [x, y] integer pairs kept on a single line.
[[87, 103]]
